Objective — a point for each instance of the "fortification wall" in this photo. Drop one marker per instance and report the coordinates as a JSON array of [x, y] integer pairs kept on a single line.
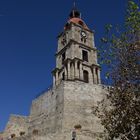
[[80, 103], [47, 112], [57, 113], [80, 135], [16, 126], [62, 109]]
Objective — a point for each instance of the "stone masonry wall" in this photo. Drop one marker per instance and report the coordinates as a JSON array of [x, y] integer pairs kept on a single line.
[[56, 113], [47, 111], [16, 125], [80, 101]]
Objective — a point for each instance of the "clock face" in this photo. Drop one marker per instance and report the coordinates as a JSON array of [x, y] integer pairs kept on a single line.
[[83, 34]]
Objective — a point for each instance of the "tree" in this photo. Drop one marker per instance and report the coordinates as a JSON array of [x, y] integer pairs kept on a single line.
[[120, 52]]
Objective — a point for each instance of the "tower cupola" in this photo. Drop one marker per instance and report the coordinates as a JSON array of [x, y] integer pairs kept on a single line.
[[74, 13], [75, 17]]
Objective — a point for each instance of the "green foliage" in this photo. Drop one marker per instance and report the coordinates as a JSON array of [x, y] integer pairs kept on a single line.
[[120, 52], [133, 16]]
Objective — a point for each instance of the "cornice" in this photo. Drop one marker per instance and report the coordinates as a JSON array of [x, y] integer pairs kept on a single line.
[[80, 44]]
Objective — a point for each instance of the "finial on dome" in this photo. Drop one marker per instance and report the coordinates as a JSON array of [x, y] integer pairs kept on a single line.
[[75, 13], [74, 4]]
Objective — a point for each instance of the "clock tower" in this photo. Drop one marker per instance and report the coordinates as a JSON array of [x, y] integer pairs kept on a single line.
[[67, 111], [76, 57]]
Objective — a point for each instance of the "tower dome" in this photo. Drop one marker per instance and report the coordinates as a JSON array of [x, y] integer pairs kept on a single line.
[[75, 17]]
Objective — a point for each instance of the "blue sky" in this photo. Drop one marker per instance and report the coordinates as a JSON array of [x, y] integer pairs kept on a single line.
[[28, 31]]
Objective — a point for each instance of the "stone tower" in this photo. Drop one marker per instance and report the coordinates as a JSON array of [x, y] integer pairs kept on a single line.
[[66, 111], [76, 57]]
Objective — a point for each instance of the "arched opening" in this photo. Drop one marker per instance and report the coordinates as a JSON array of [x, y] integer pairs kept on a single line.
[[63, 57], [35, 132], [71, 64], [96, 70], [86, 76], [13, 135], [63, 76], [22, 133], [78, 65], [67, 26], [85, 55]]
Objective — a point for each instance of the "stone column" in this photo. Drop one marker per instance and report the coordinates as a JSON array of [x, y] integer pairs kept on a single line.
[[90, 76], [99, 76], [81, 71], [94, 75], [68, 73], [76, 69], [65, 70]]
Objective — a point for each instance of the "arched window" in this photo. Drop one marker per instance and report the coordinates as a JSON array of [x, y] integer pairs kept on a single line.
[[85, 55], [63, 57], [97, 75], [86, 76], [78, 65], [63, 76]]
